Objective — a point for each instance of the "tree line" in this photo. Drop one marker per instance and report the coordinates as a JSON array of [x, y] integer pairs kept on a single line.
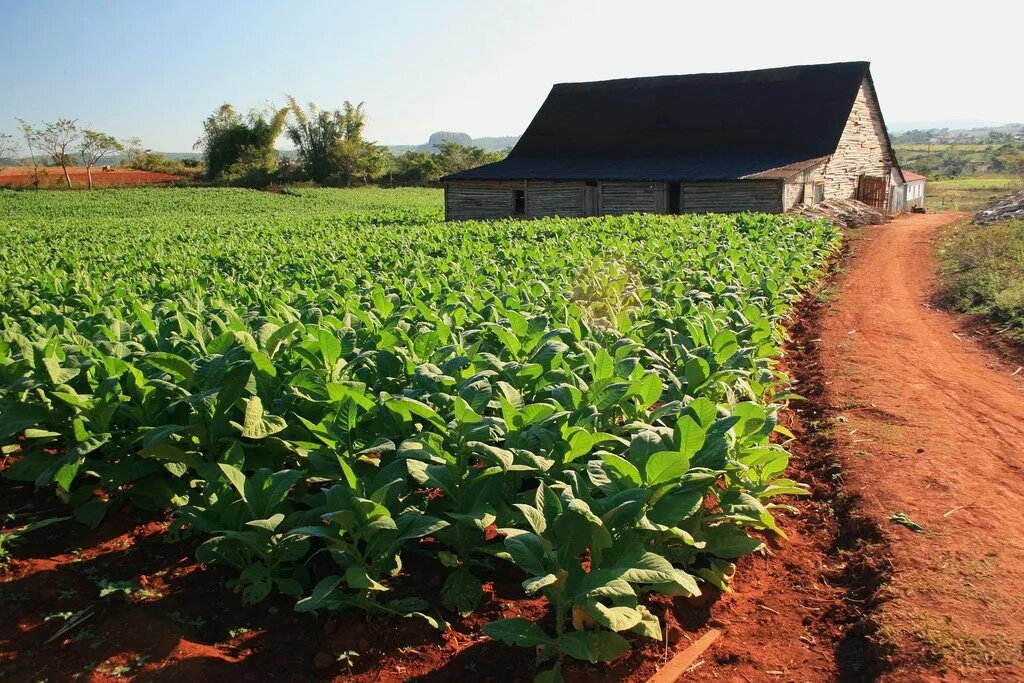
[[241, 149], [330, 145], [61, 143], [945, 153]]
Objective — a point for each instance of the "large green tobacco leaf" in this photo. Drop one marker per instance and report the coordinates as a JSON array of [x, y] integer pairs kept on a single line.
[[729, 542], [517, 631], [257, 424], [462, 591], [593, 646], [176, 366], [341, 375], [17, 417]]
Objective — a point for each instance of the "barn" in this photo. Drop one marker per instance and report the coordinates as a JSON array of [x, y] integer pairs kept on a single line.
[[765, 140]]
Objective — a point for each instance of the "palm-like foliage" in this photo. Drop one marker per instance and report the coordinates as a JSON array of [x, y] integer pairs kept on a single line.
[[330, 143]]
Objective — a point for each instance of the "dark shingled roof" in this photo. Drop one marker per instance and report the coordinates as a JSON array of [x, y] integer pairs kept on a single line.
[[723, 126]]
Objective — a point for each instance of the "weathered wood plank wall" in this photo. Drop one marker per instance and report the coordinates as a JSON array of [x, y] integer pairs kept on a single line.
[[555, 199], [732, 197], [488, 200], [619, 198], [478, 199]]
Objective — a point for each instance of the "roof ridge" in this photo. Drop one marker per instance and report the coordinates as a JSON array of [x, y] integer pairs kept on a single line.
[[705, 74]]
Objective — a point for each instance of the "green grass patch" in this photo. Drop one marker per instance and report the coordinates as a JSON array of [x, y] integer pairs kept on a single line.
[[983, 271], [968, 194], [132, 205]]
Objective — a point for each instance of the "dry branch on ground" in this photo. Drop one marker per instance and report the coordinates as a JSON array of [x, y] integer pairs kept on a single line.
[[847, 212]]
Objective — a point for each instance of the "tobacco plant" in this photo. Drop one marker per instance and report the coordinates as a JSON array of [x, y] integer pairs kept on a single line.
[[319, 384]]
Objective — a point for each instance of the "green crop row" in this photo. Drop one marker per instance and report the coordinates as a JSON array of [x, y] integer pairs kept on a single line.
[[318, 388]]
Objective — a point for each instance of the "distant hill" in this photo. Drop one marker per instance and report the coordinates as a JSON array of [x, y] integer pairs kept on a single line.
[[490, 144], [174, 156], [182, 155], [958, 125]]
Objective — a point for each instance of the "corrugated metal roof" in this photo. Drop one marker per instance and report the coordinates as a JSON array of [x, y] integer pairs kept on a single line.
[[787, 171], [693, 127]]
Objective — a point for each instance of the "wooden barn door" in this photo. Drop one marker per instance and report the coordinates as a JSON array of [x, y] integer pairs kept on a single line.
[[592, 199], [871, 191]]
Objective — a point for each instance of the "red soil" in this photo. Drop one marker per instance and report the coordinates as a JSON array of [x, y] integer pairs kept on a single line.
[[19, 176], [910, 410], [178, 622]]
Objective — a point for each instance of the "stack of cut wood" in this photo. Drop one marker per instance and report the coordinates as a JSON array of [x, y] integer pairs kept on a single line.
[[1010, 206], [847, 212]]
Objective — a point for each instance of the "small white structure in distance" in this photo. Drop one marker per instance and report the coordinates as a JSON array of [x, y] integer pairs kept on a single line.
[[906, 192]]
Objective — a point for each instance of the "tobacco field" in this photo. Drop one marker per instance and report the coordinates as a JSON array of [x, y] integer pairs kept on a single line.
[[329, 389]]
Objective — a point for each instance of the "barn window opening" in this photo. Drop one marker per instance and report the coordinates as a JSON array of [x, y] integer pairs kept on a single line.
[[519, 203], [673, 198], [819, 193]]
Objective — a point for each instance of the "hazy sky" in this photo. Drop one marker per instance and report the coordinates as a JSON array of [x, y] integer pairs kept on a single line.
[[156, 69]]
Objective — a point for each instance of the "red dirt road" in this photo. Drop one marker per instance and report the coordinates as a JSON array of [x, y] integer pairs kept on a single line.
[[929, 423]]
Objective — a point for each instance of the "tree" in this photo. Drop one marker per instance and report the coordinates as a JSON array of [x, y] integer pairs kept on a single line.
[[330, 144], [135, 153], [234, 145], [28, 132], [454, 157], [416, 168], [57, 140], [424, 168], [1014, 163], [95, 146], [314, 135], [7, 147], [952, 165], [358, 162]]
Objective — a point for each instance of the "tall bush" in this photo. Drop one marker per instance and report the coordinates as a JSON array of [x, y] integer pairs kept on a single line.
[[234, 145]]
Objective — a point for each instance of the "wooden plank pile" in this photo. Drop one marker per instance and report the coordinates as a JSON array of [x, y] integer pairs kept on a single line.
[[1010, 206], [846, 212]]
